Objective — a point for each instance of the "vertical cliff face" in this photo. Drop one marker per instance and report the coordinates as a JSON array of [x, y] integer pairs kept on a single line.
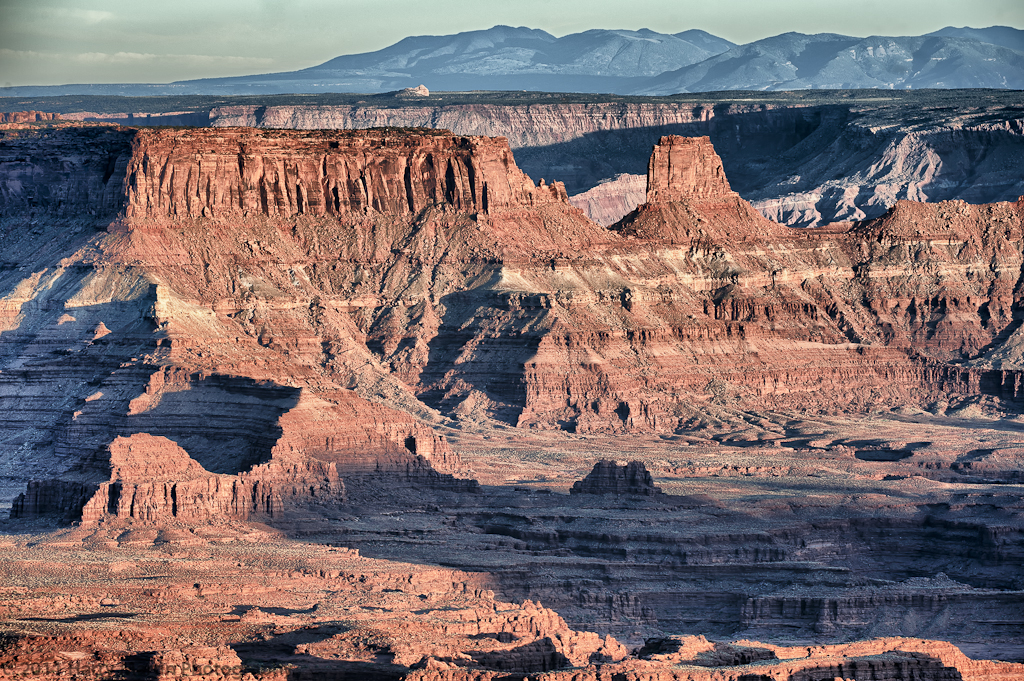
[[609, 201], [201, 173], [523, 125], [686, 168], [27, 116], [218, 337], [154, 480], [211, 354], [802, 161], [521, 310], [63, 171]]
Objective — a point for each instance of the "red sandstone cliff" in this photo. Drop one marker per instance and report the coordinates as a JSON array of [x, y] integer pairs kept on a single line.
[[160, 365], [28, 116], [196, 173], [801, 161]]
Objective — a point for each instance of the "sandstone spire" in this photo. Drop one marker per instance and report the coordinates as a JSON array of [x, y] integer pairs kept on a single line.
[[684, 167]]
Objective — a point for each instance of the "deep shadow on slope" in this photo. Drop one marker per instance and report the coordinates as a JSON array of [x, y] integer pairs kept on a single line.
[[744, 141], [496, 365], [227, 423]]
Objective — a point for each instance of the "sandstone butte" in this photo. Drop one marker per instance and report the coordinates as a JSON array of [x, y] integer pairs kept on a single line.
[[237, 324]]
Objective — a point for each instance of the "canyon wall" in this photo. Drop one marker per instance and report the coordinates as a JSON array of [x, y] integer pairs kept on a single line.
[[610, 201], [27, 116], [261, 293], [802, 163], [534, 125], [199, 327], [249, 171]]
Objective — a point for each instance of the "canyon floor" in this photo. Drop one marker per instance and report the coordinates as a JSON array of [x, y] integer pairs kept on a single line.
[[771, 547]]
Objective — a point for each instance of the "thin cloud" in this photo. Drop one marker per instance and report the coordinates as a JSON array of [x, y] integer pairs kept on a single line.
[[143, 57], [135, 58], [89, 17], [27, 54]]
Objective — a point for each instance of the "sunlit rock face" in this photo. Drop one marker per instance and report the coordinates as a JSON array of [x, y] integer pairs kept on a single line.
[[232, 360], [250, 290]]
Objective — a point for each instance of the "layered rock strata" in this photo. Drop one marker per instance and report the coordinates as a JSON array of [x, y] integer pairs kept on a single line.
[[801, 161], [154, 480], [204, 358], [28, 116], [883, 659], [223, 604], [263, 275], [118, 347], [192, 174], [611, 200], [610, 478]]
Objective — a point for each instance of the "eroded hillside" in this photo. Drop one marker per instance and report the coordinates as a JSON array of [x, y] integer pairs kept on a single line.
[[395, 340]]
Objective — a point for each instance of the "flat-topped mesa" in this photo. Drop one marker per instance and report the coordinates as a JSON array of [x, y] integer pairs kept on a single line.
[[685, 168], [217, 172]]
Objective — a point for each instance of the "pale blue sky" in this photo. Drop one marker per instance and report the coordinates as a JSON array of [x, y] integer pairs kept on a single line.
[[48, 42]]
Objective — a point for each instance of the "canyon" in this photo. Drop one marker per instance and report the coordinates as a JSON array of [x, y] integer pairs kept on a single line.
[[801, 158], [376, 404]]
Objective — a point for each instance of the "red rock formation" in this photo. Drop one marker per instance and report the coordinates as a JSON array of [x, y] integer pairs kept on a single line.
[[610, 478], [424, 271], [892, 659], [177, 368], [277, 173], [154, 480], [686, 168], [867, 155], [28, 116]]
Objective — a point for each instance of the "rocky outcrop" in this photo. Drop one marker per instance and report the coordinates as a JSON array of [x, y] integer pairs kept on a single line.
[[892, 659], [578, 144], [28, 116], [154, 480], [277, 173], [803, 160], [611, 478], [175, 372], [686, 168], [800, 162]]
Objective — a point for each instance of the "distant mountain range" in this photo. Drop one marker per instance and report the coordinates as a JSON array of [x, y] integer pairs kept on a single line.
[[632, 62], [794, 61]]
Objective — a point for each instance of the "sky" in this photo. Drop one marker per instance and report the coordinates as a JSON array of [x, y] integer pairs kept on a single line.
[[55, 42]]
